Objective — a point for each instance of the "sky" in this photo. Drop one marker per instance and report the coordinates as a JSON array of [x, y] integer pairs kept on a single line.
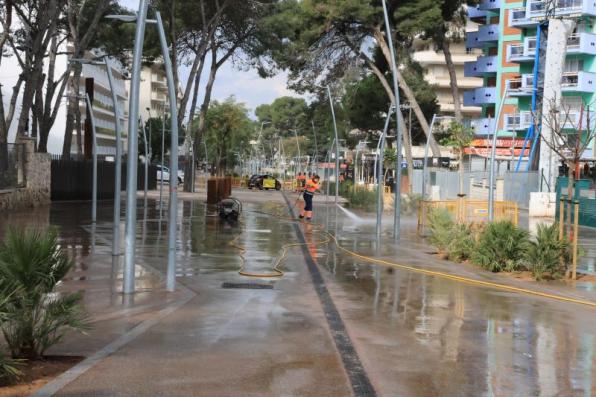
[[246, 86]]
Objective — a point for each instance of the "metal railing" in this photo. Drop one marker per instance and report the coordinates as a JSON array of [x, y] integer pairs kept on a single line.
[[12, 166]]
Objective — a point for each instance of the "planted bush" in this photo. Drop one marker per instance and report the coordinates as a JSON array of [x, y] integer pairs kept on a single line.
[[440, 225], [362, 198], [37, 316], [544, 252], [501, 246], [410, 203], [462, 243], [9, 367]]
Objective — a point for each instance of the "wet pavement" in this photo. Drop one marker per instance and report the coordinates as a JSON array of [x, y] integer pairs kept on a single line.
[[415, 335]]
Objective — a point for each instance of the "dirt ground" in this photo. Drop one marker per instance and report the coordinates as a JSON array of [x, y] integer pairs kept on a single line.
[[38, 373]]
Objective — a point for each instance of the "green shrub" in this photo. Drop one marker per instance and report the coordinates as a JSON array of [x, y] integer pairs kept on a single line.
[[410, 203], [37, 317], [362, 198], [440, 225], [544, 252], [501, 246], [9, 367], [462, 243]]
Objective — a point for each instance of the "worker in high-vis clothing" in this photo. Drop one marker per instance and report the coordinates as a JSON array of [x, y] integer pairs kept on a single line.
[[310, 188]]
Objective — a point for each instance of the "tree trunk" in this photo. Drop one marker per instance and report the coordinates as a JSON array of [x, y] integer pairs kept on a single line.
[[461, 172], [3, 137], [215, 64], [570, 195], [380, 38], [73, 105], [452, 81], [401, 122], [407, 150]]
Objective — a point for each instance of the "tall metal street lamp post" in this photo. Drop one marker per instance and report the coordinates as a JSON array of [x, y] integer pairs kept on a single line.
[[131, 177], [133, 149], [394, 71], [173, 221], [163, 138], [94, 193], [426, 146], [118, 159], [379, 170], [493, 150], [149, 153], [336, 139], [299, 155], [314, 133]]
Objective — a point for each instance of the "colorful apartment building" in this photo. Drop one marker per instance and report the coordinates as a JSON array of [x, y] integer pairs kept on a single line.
[[508, 37]]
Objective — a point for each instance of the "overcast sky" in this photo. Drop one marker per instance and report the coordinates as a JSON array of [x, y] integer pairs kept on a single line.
[[247, 86]]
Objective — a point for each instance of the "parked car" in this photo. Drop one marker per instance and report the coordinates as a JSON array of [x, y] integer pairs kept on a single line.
[[263, 181], [166, 174]]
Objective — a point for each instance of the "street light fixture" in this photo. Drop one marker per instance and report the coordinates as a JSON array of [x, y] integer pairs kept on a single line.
[[94, 156], [118, 169], [131, 177], [493, 150], [336, 145], [426, 146], [379, 170], [394, 71]]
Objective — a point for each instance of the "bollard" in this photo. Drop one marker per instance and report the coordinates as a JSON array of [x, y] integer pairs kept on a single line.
[[575, 237], [561, 226]]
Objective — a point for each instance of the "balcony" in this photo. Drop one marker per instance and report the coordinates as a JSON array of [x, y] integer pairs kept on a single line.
[[577, 43], [480, 96], [578, 82], [484, 126], [582, 43], [569, 119], [476, 14], [518, 121], [485, 34], [520, 53], [537, 8], [489, 5], [518, 18], [472, 40], [481, 66], [520, 87]]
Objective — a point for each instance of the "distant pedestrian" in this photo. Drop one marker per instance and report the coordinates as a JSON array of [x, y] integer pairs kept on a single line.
[[311, 187]]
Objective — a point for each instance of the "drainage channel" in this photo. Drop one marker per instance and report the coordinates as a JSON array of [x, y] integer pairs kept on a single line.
[[359, 380]]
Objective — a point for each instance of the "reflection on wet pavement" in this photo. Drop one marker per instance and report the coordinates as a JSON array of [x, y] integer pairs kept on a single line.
[[478, 341], [417, 335]]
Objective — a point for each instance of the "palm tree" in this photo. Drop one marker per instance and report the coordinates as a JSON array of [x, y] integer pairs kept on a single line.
[[37, 316]]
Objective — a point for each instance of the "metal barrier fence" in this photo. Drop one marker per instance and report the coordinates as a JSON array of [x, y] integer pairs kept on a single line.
[[585, 194], [73, 179], [468, 211], [12, 166]]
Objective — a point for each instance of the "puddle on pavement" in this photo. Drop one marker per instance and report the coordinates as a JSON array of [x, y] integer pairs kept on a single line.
[[466, 340]]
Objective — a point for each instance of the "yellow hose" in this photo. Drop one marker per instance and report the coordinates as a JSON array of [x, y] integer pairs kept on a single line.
[[276, 271], [383, 262]]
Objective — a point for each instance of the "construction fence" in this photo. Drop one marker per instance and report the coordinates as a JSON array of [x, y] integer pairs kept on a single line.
[[585, 194], [468, 211], [509, 186]]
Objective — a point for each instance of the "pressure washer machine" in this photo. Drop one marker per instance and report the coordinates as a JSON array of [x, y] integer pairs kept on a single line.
[[229, 209]]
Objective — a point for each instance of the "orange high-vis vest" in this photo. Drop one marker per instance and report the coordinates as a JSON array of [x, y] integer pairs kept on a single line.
[[311, 186]]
